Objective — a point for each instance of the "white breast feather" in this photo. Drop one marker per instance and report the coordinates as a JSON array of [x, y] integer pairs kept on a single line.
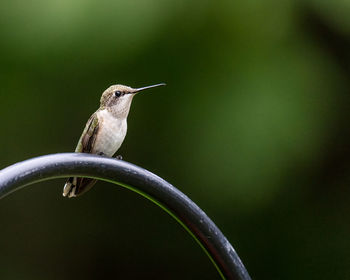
[[111, 133]]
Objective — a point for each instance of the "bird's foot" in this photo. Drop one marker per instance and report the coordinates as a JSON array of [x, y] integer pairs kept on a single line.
[[119, 157]]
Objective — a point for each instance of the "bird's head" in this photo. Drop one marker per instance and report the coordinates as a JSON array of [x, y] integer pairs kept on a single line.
[[117, 98]]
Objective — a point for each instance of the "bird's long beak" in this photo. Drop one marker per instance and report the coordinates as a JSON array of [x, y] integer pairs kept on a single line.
[[136, 90]]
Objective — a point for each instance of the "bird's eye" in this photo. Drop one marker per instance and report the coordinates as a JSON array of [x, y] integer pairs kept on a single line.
[[117, 93]]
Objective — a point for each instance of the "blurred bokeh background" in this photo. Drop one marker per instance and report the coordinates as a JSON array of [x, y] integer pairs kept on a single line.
[[253, 126]]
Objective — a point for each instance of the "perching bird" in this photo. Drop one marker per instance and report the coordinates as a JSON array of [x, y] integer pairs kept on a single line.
[[104, 132]]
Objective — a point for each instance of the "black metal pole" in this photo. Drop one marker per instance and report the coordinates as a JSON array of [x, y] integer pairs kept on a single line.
[[177, 204]]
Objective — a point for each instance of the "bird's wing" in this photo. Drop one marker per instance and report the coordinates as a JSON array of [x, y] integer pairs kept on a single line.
[[88, 137], [75, 185]]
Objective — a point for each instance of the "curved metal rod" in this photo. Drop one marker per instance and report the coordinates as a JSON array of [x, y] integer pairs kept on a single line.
[[137, 179]]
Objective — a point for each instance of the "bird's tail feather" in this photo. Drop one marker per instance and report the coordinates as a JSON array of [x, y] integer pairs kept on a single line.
[[76, 186]]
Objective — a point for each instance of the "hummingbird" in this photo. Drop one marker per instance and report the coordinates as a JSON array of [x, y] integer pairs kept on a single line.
[[104, 132]]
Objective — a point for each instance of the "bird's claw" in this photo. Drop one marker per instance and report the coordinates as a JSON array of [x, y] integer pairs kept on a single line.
[[119, 157]]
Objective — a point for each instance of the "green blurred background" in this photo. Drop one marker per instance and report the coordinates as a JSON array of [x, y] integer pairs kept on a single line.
[[253, 126]]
